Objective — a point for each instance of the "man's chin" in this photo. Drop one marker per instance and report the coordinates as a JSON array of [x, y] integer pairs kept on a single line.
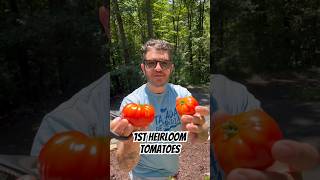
[[158, 84]]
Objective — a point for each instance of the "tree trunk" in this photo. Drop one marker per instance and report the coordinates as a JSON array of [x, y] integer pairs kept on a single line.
[[124, 41], [149, 18], [200, 34], [200, 18], [142, 26], [174, 24], [216, 41], [189, 8], [115, 36]]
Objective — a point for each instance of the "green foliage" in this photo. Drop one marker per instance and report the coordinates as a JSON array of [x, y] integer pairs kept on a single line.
[[267, 36], [170, 22]]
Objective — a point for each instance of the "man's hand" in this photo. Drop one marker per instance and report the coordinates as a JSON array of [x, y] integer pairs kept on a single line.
[[122, 127], [196, 124], [298, 156]]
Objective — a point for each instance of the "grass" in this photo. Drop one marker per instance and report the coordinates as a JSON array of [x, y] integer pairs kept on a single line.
[[206, 177]]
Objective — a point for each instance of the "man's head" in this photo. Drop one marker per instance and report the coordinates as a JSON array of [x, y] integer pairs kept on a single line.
[[157, 62]]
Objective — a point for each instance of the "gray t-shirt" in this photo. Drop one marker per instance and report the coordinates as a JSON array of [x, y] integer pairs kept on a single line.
[[87, 111]]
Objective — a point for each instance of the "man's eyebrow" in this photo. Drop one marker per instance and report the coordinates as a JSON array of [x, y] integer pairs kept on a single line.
[[158, 59]]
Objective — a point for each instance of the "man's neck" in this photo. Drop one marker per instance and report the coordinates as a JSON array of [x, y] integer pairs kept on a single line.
[[155, 89]]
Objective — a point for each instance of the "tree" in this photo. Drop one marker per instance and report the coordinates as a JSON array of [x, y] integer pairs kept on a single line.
[[124, 41], [149, 18]]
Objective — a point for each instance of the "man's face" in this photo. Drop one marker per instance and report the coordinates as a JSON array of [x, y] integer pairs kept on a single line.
[[157, 67]]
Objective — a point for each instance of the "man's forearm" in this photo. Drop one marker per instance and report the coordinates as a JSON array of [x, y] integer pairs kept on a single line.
[[128, 154]]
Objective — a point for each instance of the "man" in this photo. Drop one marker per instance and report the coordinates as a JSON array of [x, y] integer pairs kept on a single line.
[[157, 67], [231, 98]]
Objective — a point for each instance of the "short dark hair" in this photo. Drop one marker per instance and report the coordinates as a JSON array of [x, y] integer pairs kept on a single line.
[[158, 45]]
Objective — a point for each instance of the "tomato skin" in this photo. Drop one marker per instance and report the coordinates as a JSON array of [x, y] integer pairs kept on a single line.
[[72, 155], [186, 105], [139, 115], [245, 140]]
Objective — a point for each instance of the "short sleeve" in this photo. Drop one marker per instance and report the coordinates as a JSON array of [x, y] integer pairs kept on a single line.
[[231, 97], [50, 126], [87, 111]]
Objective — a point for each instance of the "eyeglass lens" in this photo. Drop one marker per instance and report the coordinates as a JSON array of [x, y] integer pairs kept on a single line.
[[153, 63]]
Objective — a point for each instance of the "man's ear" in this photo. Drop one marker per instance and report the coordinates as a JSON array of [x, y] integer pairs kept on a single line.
[[172, 68], [142, 68]]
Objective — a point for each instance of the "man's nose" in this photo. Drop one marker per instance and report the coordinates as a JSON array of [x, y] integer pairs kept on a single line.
[[158, 67]]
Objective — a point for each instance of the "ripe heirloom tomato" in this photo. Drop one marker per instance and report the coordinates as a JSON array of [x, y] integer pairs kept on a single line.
[[245, 140], [72, 155], [186, 105], [139, 115]]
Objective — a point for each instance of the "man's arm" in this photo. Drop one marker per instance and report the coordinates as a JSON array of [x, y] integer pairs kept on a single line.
[[128, 154]]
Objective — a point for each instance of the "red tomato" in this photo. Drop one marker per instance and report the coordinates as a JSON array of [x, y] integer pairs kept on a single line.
[[73, 155], [186, 105], [139, 115], [245, 140]]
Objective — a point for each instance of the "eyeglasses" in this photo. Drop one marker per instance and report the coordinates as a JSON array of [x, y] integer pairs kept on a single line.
[[151, 64]]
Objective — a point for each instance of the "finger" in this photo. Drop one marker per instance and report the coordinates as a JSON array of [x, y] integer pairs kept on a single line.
[[198, 120], [128, 130], [121, 126], [183, 127], [114, 122], [185, 119], [251, 174], [299, 156], [202, 110], [192, 128]]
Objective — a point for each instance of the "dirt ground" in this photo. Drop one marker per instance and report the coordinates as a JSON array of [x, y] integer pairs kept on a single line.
[[194, 163]]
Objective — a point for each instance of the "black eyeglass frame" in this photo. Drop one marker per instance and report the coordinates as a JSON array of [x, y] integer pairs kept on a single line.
[[166, 64]]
